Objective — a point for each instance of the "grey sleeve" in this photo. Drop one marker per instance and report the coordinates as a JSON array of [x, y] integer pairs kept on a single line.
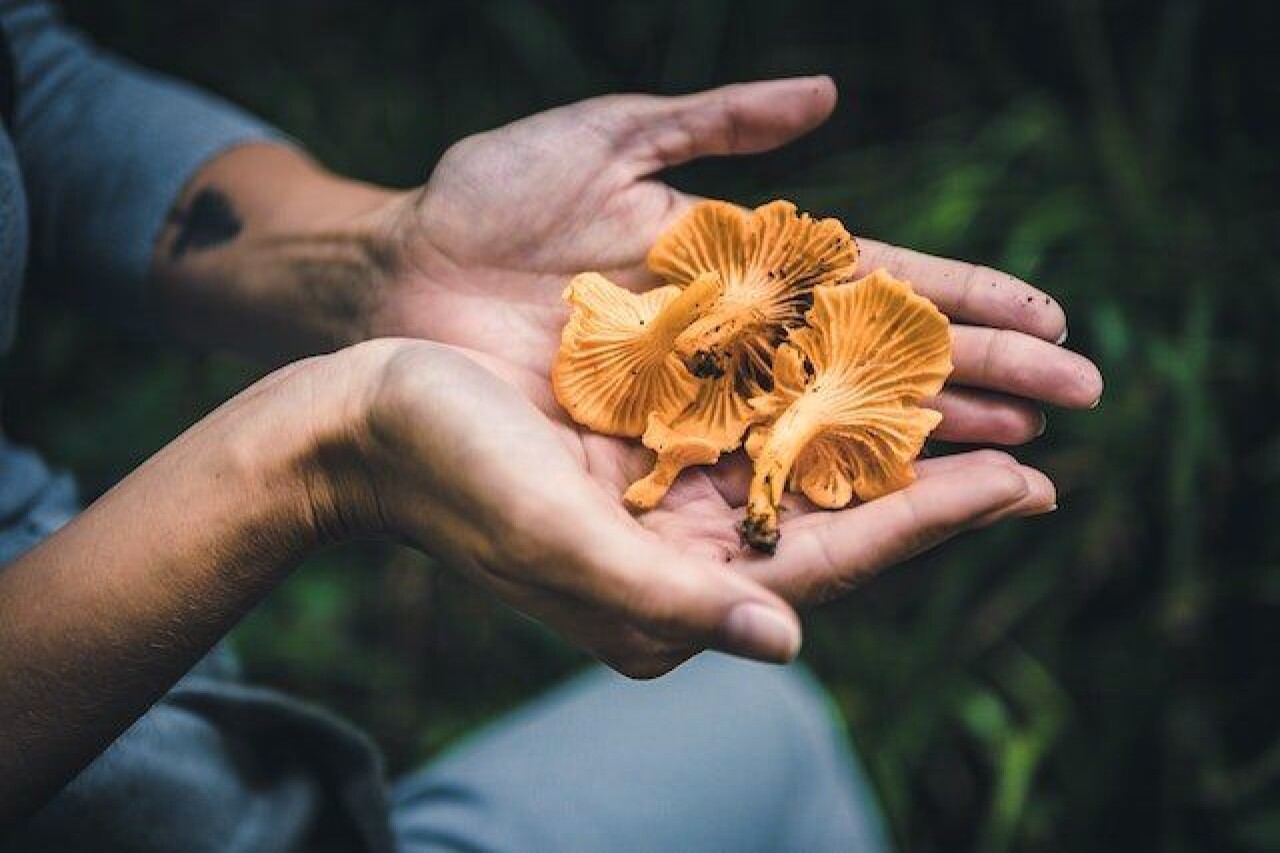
[[105, 148]]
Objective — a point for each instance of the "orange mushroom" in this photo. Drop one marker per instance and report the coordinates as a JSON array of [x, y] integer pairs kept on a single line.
[[770, 261], [675, 453], [617, 366], [844, 417]]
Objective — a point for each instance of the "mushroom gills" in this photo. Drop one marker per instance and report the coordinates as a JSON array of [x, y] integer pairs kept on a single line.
[[844, 419], [616, 364]]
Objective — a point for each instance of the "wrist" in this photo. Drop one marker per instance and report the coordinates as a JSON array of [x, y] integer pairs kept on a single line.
[[320, 435], [286, 448]]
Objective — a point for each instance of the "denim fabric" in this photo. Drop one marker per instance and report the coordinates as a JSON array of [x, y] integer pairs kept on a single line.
[[721, 756], [34, 501]]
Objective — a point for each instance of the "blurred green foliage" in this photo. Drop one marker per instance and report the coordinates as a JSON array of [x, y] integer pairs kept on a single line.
[[1103, 678]]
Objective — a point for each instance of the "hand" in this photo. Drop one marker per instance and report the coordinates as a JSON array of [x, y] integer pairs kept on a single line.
[[509, 215], [447, 454]]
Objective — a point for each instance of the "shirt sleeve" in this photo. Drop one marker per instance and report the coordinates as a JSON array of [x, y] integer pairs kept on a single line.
[[105, 148]]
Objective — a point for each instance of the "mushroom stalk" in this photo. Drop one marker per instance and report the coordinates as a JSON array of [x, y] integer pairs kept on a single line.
[[791, 433], [706, 346], [649, 489], [685, 310]]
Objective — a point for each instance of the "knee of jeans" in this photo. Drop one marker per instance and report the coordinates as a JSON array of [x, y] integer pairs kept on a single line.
[[786, 709], [785, 703]]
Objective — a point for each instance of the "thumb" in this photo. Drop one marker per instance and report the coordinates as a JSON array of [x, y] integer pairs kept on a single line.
[[707, 604], [742, 118]]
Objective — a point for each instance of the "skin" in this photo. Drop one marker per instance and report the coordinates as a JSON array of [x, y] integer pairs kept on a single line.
[[444, 432]]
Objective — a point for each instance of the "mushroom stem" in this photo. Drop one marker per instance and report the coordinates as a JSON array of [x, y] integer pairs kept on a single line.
[[706, 345], [692, 303], [793, 430], [675, 452], [646, 492]]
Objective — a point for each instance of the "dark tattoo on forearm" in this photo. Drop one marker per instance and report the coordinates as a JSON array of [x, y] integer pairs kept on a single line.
[[208, 220], [267, 290]]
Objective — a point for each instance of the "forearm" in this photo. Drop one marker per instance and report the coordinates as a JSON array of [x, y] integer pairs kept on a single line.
[[268, 254], [98, 621]]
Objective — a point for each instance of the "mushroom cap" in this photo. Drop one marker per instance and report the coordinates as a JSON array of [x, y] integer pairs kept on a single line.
[[616, 365], [844, 417], [770, 259]]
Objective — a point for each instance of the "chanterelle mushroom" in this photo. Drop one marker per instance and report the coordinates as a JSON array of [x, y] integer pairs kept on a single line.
[[770, 261], [675, 453], [844, 416], [617, 364]]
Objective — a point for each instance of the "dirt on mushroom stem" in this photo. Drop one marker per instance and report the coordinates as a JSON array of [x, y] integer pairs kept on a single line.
[[707, 344], [790, 434]]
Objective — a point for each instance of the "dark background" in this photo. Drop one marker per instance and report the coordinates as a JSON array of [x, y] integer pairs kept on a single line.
[[1104, 678]]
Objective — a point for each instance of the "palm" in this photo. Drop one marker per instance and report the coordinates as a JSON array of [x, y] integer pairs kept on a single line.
[[559, 205], [698, 515], [698, 518], [510, 215]]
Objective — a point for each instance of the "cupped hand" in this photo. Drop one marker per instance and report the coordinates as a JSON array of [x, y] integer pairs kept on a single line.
[[470, 458], [488, 244], [509, 215]]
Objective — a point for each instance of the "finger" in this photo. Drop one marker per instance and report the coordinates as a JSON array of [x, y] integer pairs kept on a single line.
[[976, 417], [613, 571], [935, 465], [742, 118], [686, 601], [1042, 498], [732, 480], [1042, 495], [970, 417], [968, 292], [823, 560], [1025, 366]]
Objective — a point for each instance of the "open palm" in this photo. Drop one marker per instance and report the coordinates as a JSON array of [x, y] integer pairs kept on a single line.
[[509, 215], [505, 489]]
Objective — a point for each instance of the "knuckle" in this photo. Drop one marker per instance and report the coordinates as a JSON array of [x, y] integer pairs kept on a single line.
[[1021, 425], [1010, 486], [992, 344], [616, 117]]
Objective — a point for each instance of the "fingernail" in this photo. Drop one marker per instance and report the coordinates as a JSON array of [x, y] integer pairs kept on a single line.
[[1096, 403], [756, 631], [1044, 424], [1062, 338]]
